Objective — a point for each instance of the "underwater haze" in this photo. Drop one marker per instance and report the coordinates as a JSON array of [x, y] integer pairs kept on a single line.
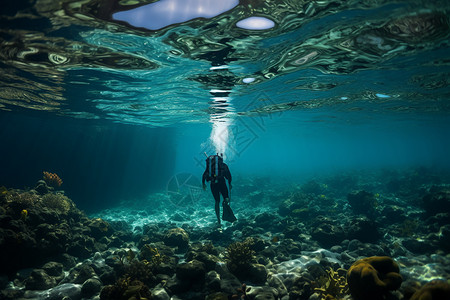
[[332, 116]]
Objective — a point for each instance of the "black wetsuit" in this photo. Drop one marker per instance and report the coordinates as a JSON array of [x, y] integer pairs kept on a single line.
[[219, 186]]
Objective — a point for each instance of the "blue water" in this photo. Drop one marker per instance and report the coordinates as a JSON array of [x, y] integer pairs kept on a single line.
[[117, 111]]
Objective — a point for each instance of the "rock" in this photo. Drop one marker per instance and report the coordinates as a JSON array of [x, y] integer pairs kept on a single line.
[[444, 237], [437, 201], [39, 280], [54, 269], [11, 294], [3, 281], [328, 234], [41, 187], [228, 282], [212, 281], [265, 219], [433, 290], [257, 273], [177, 237], [277, 283], [65, 291], [285, 208], [217, 296], [269, 252], [68, 261], [363, 230], [419, 246], [80, 274], [159, 293], [175, 285], [208, 259], [166, 269], [362, 202], [191, 271], [394, 214], [263, 293], [82, 246], [99, 228], [354, 245], [91, 287]]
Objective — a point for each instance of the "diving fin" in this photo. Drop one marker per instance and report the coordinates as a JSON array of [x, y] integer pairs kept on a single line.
[[227, 213]]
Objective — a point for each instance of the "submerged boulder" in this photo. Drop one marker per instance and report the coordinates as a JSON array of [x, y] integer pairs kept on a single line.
[[177, 237], [437, 200], [39, 280], [433, 290], [362, 202]]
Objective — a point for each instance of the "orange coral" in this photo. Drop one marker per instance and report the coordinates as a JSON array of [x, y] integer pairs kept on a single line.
[[52, 179]]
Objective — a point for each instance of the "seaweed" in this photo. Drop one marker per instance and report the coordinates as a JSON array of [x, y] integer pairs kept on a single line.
[[333, 285]]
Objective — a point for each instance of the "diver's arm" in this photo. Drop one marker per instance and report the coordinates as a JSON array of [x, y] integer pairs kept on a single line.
[[203, 179]]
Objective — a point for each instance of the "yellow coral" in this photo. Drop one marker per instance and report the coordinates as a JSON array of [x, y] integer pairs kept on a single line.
[[3, 190], [239, 253], [24, 214], [152, 256], [333, 285], [57, 202], [21, 200]]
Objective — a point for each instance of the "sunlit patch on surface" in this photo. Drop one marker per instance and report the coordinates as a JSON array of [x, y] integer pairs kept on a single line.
[[382, 95], [256, 23], [163, 13], [248, 80], [219, 67]]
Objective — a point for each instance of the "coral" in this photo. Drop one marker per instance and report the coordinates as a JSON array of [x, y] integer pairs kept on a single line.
[[333, 285], [373, 277], [141, 271], [24, 214], [242, 292], [3, 193], [298, 202], [58, 202], [134, 269], [52, 179], [433, 290], [19, 201], [239, 256], [152, 256], [99, 227], [408, 227], [177, 237]]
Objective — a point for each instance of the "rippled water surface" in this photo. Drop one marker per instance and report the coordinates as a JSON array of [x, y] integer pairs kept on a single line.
[[325, 60]]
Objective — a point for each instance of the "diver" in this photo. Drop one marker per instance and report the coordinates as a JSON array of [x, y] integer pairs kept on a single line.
[[216, 172]]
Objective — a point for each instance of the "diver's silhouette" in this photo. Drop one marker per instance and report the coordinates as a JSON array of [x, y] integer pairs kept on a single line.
[[216, 172]]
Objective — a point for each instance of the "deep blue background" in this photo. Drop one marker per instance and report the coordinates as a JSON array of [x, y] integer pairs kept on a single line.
[[99, 163]]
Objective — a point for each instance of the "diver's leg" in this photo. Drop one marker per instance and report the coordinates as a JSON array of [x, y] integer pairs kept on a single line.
[[218, 212], [224, 191], [216, 194]]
